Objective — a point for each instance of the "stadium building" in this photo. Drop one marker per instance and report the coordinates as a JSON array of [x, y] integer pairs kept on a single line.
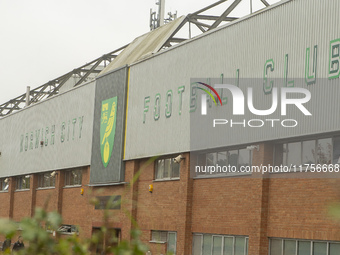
[[221, 170]]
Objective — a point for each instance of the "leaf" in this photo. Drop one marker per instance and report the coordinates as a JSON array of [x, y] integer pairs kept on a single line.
[[8, 228], [334, 210], [54, 219]]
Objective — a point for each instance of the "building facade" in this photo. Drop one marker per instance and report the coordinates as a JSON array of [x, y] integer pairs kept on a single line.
[[192, 195]]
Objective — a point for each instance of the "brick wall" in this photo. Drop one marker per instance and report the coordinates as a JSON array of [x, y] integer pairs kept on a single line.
[[299, 208], [258, 207], [21, 205], [167, 208], [4, 208]]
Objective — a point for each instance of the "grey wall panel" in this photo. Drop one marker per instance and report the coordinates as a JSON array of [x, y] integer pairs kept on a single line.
[[111, 169], [288, 28], [53, 134]]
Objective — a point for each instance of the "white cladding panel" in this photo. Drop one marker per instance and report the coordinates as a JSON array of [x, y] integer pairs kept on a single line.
[[287, 28], [53, 134]]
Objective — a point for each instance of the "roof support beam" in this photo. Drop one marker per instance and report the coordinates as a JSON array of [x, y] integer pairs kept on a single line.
[[52, 88], [265, 2], [224, 14], [196, 22], [209, 17], [208, 7]]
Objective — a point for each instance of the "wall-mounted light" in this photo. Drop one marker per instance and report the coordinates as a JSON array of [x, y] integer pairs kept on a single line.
[[7, 185], [150, 188], [54, 173], [178, 159], [253, 147], [27, 176], [82, 192]]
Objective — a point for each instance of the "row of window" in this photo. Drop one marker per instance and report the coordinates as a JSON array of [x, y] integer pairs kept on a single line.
[[167, 168], [317, 151], [73, 177], [233, 159], [209, 244], [302, 247], [314, 151]]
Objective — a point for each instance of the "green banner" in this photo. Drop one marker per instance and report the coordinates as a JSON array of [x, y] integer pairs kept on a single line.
[[107, 128]]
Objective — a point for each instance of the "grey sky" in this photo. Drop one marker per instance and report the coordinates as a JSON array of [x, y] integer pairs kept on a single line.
[[44, 39]]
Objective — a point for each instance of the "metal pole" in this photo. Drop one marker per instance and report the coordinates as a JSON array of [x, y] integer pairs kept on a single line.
[[151, 27], [161, 12], [28, 96]]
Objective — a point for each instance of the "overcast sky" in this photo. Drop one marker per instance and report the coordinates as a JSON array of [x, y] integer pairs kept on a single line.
[[44, 39]]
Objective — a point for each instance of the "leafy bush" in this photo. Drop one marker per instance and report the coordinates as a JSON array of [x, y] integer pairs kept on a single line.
[[38, 241]]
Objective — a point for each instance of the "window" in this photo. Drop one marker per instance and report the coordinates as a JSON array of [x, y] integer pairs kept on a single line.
[[289, 247], [336, 150], [309, 152], [3, 184], [22, 182], [159, 236], [275, 247], [303, 247], [334, 248], [166, 169], [324, 151], [216, 245], [171, 247], [68, 229], [223, 162], [63, 229], [46, 180], [170, 238], [293, 152], [73, 177], [319, 151], [197, 244], [208, 244], [319, 248]]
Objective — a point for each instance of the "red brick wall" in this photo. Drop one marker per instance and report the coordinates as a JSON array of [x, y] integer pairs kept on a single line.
[[299, 208], [74, 207], [256, 207], [4, 201], [21, 205], [79, 209], [165, 208], [47, 198], [234, 205]]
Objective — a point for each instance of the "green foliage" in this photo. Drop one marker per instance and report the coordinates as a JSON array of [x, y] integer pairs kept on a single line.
[[135, 247], [38, 241], [334, 211], [8, 228]]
